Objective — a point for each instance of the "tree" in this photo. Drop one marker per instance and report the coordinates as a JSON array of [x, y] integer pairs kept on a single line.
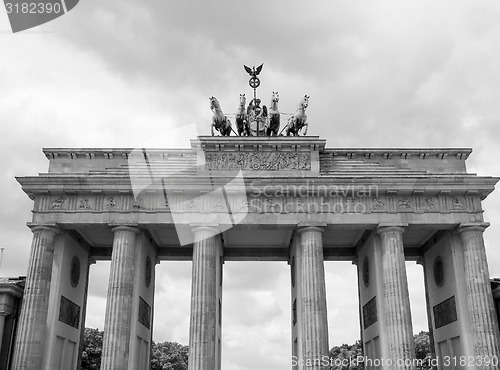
[[344, 357], [164, 356], [423, 348], [169, 356], [92, 349]]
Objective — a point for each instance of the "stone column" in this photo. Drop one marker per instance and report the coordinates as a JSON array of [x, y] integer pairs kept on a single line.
[[117, 324], [28, 352], [312, 285], [202, 327], [396, 299], [3, 315], [484, 325]]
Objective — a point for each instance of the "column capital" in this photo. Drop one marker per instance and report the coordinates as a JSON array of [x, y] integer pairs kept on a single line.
[[385, 228], [319, 229], [204, 231], [124, 227], [214, 228], [41, 227], [473, 226]]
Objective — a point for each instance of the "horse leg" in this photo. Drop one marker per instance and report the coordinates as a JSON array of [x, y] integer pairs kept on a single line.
[[242, 128], [306, 127], [212, 129], [247, 128], [228, 127], [239, 125], [276, 128]]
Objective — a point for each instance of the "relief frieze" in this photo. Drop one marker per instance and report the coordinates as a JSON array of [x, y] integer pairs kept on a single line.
[[405, 203], [110, 203], [215, 202], [377, 203], [429, 203], [58, 203], [457, 204], [138, 203], [249, 161], [85, 204]]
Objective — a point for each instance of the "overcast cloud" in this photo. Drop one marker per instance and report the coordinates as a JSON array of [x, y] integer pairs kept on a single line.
[[125, 74]]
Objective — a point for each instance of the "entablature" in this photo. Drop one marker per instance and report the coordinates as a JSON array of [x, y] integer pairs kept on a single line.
[[324, 186]]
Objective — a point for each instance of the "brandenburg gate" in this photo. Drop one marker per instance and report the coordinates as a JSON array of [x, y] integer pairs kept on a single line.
[[257, 198]]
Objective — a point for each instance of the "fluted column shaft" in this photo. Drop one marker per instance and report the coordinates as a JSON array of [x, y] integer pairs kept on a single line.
[[28, 352], [400, 343], [202, 327], [312, 285], [117, 324], [2, 325], [479, 297]]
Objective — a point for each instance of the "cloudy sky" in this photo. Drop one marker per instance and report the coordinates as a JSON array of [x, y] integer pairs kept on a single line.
[[134, 74]]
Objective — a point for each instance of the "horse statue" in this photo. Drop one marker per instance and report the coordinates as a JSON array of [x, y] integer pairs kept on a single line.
[[257, 117], [219, 121], [299, 119], [273, 125], [242, 118]]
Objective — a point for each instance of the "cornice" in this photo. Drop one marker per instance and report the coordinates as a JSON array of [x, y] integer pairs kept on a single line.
[[405, 153], [109, 153], [256, 143]]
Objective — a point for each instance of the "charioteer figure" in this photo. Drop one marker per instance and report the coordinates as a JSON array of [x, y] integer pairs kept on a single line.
[[257, 116]]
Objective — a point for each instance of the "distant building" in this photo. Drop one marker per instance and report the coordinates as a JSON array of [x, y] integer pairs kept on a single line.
[[11, 293], [495, 288]]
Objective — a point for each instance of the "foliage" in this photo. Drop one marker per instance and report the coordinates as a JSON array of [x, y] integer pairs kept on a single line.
[[174, 356], [340, 356], [92, 349], [344, 357], [164, 356], [423, 348], [169, 356]]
